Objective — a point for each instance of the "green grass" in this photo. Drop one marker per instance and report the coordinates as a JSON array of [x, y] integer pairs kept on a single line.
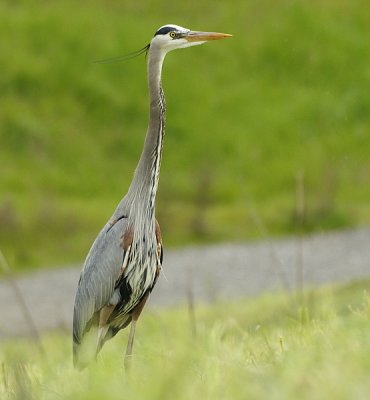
[[263, 348], [287, 94]]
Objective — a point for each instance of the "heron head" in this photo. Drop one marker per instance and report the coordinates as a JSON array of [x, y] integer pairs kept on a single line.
[[172, 37], [167, 38]]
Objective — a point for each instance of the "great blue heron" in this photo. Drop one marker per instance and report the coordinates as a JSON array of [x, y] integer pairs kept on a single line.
[[125, 259]]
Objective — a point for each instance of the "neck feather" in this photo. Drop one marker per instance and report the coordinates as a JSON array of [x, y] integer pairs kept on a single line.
[[144, 185]]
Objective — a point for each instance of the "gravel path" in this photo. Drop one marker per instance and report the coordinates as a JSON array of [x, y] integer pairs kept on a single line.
[[221, 271]]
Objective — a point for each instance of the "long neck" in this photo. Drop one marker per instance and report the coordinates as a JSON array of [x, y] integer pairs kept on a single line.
[[144, 185]]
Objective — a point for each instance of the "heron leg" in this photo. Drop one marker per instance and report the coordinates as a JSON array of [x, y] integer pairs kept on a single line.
[[135, 316], [130, 344]]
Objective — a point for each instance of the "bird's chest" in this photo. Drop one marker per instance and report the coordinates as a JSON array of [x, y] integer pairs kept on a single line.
[[142, 262]]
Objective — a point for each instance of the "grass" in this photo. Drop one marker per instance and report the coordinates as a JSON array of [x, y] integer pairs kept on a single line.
[[287, 94], [267, 347]]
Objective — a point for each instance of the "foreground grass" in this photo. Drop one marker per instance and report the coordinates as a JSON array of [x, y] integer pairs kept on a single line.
[[266, 348], [287, 94]]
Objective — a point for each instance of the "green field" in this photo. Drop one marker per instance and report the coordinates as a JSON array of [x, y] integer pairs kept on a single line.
[[270, 347], [287, 95]]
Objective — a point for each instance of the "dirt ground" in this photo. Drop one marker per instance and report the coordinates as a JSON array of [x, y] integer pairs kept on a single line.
[[214, 272]]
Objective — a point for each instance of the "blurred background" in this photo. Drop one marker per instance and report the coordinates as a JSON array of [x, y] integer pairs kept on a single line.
[[268, 129]]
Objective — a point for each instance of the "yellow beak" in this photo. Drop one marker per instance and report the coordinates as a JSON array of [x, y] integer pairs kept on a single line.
[[193, 36]]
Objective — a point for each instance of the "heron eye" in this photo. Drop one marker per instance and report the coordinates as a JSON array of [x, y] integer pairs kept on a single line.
[[173, 34]]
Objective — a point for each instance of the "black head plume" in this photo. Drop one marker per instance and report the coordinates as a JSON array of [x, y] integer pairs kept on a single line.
[[125, 57]]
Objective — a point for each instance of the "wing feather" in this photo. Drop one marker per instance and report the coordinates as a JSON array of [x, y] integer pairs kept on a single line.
[[101, 270]]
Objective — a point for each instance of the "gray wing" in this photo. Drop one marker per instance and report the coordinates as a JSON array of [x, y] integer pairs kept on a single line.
[[101, 270]]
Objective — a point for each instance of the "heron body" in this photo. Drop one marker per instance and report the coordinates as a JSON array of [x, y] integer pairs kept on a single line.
[[125, 259]]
